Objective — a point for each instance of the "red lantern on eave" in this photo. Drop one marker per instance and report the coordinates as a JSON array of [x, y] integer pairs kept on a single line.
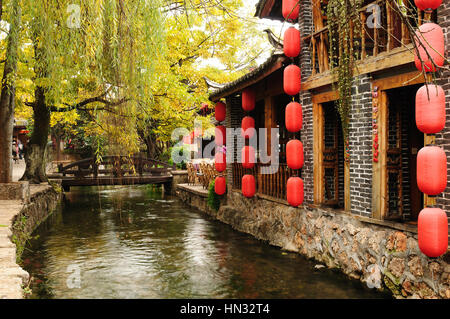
[[291, 42], [292, 80], [294, 154], [294, 117], [220, 135], [248, 157], [220, 185], [431, 170], [432, 227], [430, 109], [248, 127], [290, 9], [295, 191], [220, 161], [431, 37], [248, 186], [220, 111], [427, 5], [248, 99]]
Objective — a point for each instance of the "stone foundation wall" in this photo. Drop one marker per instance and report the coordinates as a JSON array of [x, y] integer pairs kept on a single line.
[[18, 219], [380, 256]]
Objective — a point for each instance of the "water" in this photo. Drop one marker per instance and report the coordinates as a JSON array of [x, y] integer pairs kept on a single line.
[[131, 242]]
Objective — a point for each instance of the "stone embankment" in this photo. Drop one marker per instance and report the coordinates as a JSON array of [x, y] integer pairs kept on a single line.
[[22, 209], [382, 256]]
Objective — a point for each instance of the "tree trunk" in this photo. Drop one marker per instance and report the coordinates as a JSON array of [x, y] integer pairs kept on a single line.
[[7, 103], [35, 154]]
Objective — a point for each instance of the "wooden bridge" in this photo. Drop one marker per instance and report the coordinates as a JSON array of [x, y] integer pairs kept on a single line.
[[113, 170]]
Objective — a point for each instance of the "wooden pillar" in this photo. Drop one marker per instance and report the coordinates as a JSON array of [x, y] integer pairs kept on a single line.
[[379, 181], [270, 119], [318, 146]]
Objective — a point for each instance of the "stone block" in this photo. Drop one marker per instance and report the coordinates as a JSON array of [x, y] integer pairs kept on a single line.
[[15, 191]]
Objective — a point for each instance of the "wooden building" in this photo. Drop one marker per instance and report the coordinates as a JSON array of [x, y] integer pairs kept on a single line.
[[383, 98]]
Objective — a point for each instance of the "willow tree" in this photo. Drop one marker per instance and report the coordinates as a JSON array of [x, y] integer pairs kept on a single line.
[[102, 59], [7, 98], [196, 31]]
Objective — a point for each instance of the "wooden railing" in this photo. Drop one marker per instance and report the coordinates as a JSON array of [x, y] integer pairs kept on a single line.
[[116, 166], [268, 182], [369, 41]]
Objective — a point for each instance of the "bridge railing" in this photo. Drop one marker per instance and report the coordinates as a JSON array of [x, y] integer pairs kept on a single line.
[[117, 166]]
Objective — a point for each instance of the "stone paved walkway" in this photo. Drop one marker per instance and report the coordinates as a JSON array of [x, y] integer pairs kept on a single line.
[[12, 276]]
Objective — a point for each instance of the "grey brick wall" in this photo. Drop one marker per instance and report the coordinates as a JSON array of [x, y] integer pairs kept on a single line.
[[233, 120], [360, 143], [443, 138], [306, 28]]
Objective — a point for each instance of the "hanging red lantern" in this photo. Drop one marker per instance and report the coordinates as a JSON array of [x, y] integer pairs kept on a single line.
[[292, 80], [430, 109], [295, 191], [427, 5], [294, 154], [248, 99], [221, 135], [431, 170], [220, 111], [294, 117], [248, 157], [248, 127], [220, 185], [431, 38], [220, 161], [291, 42], [432, 226], [248, 186], [290, 9]]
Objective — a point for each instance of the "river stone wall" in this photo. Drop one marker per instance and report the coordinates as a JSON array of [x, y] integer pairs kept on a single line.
[[18, 219], [381, 257]]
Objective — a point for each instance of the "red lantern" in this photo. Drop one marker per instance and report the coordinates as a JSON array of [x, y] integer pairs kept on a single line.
[[430, 109], [294, 154], [291, 43], [290, 9], [431, 170], [248, 186], [248, 127], [432, 39], [221, 135], [294, 117], [220, 185], [427, 5], [220, 161], [292, 80], [248, 100], [220, 111], [295, 191], [432, 227], [248, 157]]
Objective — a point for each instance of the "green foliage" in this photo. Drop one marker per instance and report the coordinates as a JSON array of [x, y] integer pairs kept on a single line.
[[213, 198], [341, 19]]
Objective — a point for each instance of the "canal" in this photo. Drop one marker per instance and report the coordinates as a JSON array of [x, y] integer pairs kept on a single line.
[[133, 242]]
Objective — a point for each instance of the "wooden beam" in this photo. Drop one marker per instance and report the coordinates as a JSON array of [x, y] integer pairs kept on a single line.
[[396, 57], [400, 80], [265, 12]]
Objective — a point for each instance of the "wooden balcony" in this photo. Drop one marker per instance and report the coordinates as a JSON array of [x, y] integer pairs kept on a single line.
[[272, 184], [375, 48]]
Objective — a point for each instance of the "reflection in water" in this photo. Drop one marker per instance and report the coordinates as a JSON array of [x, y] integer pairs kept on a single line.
[[131, 242]]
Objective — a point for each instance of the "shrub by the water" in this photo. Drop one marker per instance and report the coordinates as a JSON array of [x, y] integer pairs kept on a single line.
[[213, 198]]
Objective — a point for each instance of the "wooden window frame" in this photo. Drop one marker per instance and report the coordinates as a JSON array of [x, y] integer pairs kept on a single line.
[[379, 169], [318, 147]]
